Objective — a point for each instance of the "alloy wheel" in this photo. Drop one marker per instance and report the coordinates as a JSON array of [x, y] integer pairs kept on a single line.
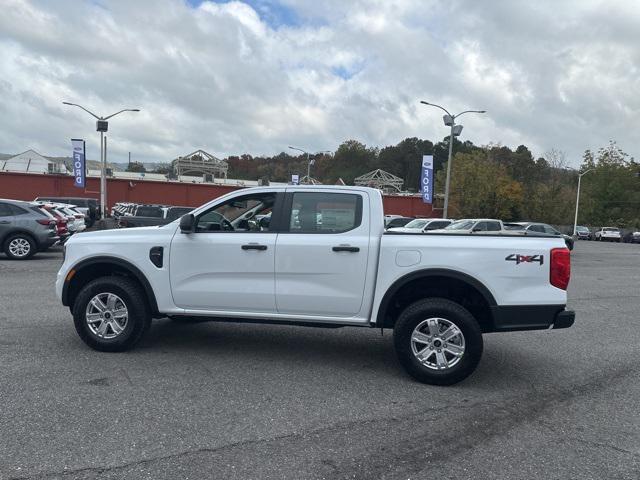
[[437, 343], [19, 247], [107, 315]]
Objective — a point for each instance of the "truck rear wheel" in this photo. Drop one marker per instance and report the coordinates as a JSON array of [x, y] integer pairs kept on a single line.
[[438, 341], [111, 314]]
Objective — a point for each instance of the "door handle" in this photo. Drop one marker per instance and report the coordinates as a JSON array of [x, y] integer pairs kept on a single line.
[[345, 248], [254, 246]]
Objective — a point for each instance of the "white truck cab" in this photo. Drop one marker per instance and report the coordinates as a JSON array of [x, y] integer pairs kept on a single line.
[[316, 256]]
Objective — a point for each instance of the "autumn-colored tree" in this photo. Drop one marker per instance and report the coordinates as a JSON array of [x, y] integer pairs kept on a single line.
[[481, 187]]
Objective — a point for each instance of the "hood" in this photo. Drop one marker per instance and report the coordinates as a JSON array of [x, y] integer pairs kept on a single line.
[[117, 235]]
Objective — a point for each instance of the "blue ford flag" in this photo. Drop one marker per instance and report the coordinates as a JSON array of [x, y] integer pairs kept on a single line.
[[79, 169], [426, 180]]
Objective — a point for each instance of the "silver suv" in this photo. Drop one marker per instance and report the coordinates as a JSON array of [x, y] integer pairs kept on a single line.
[[25, 229]]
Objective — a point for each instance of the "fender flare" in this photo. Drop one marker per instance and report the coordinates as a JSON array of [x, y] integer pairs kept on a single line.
[[124, 264], [426, 273]]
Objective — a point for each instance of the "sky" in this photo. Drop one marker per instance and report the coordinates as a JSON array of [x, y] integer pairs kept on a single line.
[[256, 76]]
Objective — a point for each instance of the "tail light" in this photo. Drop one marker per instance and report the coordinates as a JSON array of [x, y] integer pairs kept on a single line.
[[560, 270], [45, 221]]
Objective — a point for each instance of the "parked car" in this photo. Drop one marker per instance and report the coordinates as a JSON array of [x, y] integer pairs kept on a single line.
[[90, 207], [583, 233], [25, 229], [608, 234], [438, 293], [397, 222], [75, 219], [533, 228], [421, 225], [474, 226], [147, 216], [62, 228]]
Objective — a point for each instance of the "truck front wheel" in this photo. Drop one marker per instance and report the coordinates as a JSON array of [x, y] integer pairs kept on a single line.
[[438, 341], [111, 314]]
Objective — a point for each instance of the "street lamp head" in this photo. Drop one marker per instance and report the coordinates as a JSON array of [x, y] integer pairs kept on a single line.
[[426, 103], [67, 103]]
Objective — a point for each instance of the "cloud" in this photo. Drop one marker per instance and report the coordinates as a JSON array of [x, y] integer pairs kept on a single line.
[[256, 76]]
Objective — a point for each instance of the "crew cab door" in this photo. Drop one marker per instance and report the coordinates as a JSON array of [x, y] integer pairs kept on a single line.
[[322, 253], [227, 262]]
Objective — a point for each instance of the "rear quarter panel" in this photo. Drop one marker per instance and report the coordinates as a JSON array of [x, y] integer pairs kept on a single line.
[[482, 257]]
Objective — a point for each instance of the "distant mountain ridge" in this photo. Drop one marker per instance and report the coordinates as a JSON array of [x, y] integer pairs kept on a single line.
[[92, 164]]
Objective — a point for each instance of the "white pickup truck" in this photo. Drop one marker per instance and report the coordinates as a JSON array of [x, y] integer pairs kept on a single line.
[[317, 256]]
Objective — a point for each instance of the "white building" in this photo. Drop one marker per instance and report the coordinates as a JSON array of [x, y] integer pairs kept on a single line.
[[32, 162]]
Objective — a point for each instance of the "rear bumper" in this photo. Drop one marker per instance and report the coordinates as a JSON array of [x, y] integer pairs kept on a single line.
[[531, 317]]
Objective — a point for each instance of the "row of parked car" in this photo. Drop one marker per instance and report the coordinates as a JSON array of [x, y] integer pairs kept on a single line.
[[608, 234], [27, 228], [127, 215], [490, 226]]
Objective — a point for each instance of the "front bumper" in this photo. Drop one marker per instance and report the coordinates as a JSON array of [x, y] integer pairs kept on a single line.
[[512, 318]]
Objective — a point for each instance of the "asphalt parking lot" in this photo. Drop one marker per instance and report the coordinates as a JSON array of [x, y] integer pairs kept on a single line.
[[215, 400]]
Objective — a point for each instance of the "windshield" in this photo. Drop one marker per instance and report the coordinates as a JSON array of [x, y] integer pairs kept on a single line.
[[608, 229], [416, 223], [461, 225], [582, 229]]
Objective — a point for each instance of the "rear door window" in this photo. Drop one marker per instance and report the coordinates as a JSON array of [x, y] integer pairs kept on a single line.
[[17, 210], [320, 212], [437, 225], [5, 211]]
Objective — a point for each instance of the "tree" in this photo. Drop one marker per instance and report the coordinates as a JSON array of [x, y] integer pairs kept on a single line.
[[482, 187], [610, 194], [136, 167]]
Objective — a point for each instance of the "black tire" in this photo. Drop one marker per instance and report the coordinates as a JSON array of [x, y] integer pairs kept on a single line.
[[442, 308], [133, 298], [25, 240]]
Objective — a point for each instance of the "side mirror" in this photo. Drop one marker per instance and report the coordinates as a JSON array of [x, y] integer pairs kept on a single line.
[[187, 223], [477, 229]]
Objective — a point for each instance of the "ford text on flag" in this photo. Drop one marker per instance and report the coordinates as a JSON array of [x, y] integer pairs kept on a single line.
[[426, 179], [79, 170]]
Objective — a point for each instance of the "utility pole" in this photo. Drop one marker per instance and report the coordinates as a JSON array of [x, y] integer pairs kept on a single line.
[[309, 162], [102, 126], [450, 121]]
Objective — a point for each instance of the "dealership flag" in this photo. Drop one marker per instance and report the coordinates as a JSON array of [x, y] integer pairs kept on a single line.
[[79, 169], [426, 180]]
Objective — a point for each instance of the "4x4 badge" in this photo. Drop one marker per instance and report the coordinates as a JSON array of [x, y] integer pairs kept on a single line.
[[516, 257]]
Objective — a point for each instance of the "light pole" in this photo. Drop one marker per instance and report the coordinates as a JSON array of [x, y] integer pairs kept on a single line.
[[308, 161], [102, 126], [575, 220], [450, 120]]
